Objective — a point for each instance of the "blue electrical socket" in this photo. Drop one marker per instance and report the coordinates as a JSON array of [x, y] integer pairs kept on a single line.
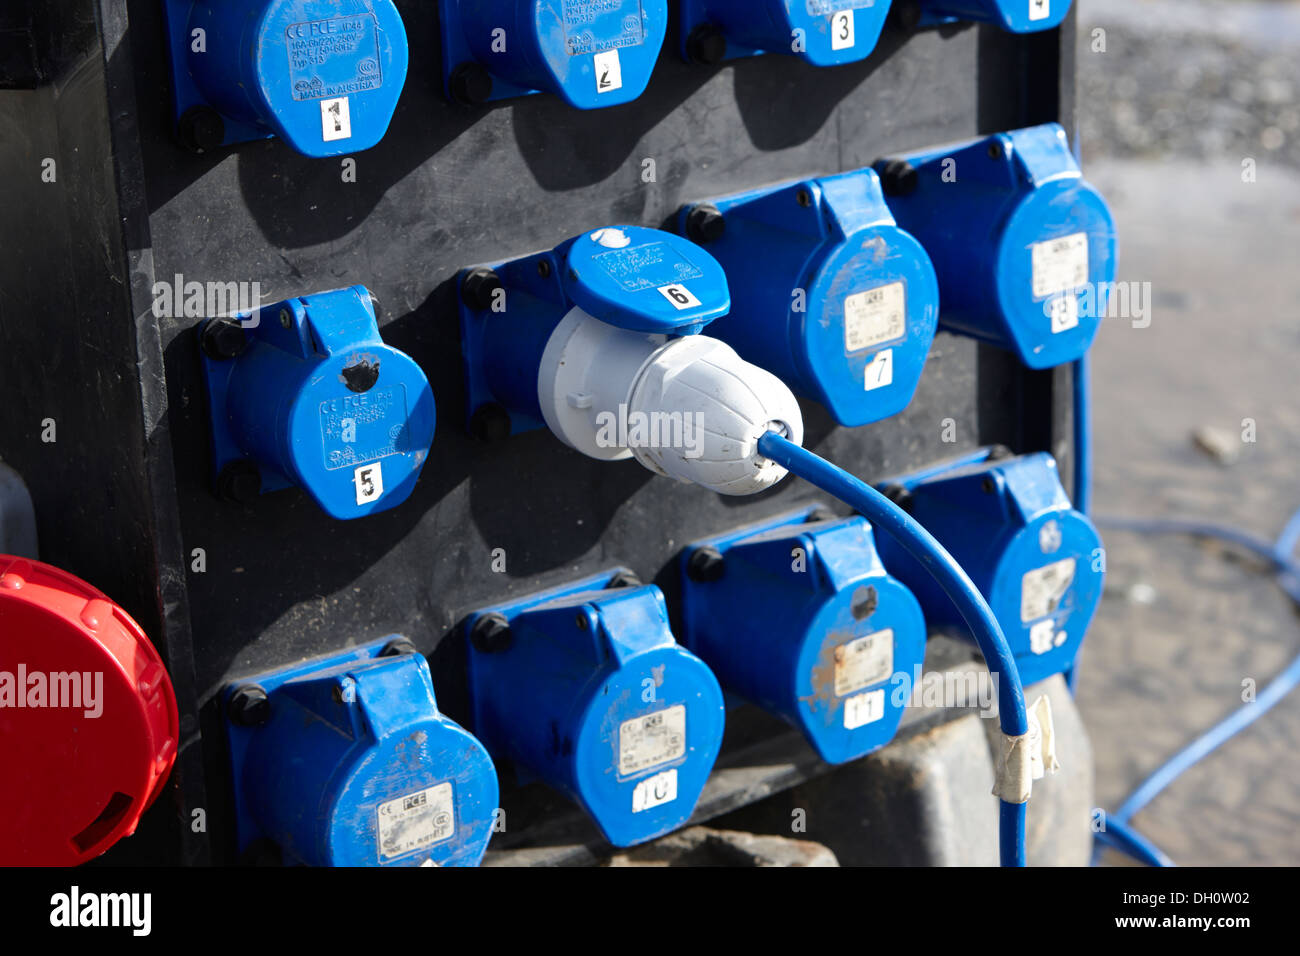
[[305, 393], [323, 75], [1038, 562], [1025, 249], [1016, 16], [346, 761], [798, 615], [625, 276], [584, 687], [591, 55], [829, 293], [822, 32]]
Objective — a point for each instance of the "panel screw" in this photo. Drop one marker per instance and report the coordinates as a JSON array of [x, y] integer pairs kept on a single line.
[[398, 647], [988, 486], [479, 288], [200, 129], [899, 178], [705, 565], [804, 198], [706, 45], [240, 481], [705, 223], [905, 15], [470, 84], [898, 495], [491, 633], [624, 579], [249, 706], [222, 339], [490, 422]]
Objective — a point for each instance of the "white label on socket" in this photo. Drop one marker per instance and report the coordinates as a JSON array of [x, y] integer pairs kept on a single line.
[[335, 119]]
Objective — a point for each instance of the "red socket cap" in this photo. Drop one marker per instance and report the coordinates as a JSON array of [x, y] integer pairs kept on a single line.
[[88, 723]]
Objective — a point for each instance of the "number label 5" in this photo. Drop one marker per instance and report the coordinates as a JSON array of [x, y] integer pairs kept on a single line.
[[369, 482]]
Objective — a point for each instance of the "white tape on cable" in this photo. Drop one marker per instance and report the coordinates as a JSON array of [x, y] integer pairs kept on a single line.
[[1027, 758]]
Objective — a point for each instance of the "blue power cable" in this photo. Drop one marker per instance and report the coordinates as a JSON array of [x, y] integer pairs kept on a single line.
[[1082, 436], [1201, 529], [908, 532], [1284, 550], [1282, 560], [1082, 461], [1120, 836], [1011, 833]]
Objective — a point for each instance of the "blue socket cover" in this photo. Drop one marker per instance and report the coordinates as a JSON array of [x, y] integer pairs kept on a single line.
[[800, 617], [592, 53], [1017, 16], [630, 277], [589, 692], [1025, 250], [312, 397], [828, 292], [823, 32], [355, 766], [1037, 561], [323, 75]]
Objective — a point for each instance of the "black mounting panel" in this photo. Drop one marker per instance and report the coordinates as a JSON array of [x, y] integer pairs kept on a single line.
[[123, 496]]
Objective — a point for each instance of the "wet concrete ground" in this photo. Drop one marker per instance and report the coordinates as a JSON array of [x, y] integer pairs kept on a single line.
[[1169, 114]]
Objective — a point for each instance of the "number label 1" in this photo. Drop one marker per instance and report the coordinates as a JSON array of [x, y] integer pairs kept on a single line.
[[335, 119], [369, 482], [681, 297], [842, 32]]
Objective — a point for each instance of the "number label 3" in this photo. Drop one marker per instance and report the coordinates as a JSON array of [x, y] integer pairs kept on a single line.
[[842, 37]]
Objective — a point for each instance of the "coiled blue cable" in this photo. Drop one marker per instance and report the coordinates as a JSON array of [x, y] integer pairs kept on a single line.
[[1120, 836], [1282, 559], [908, 532]]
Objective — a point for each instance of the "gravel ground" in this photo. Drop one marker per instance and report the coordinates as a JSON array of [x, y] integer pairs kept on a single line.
[[1183, 94], [1199, 79]]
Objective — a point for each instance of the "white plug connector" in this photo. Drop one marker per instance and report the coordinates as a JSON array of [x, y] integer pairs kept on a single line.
[[688, 408]]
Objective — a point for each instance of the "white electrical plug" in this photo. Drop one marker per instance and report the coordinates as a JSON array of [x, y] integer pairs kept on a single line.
[[688, 408]]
